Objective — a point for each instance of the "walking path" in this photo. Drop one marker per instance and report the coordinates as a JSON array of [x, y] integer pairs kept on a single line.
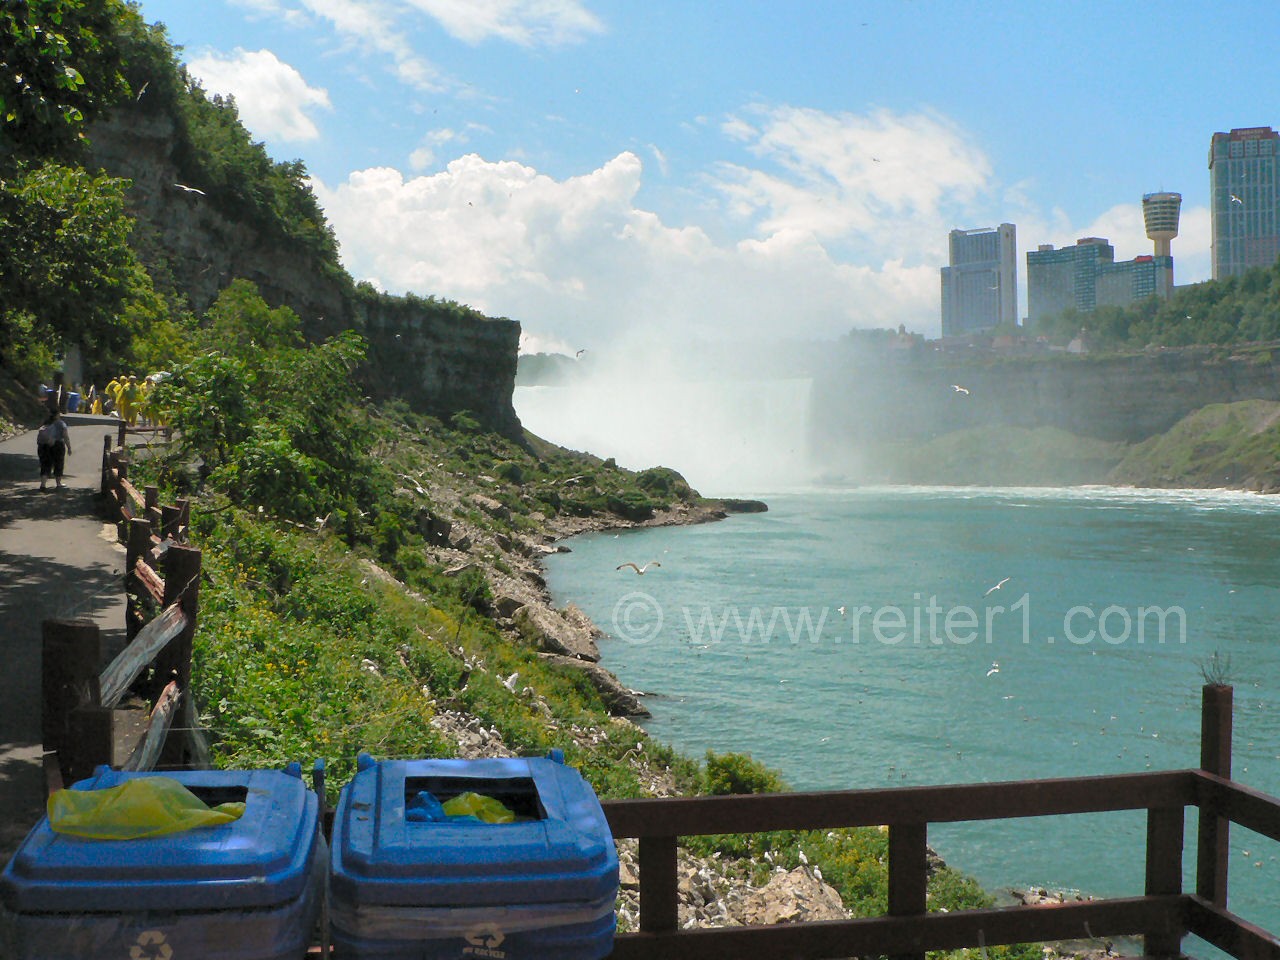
[[58, 560]]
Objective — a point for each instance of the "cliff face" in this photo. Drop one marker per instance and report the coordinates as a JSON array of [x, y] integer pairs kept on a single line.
[[441, 362], [912, 398]]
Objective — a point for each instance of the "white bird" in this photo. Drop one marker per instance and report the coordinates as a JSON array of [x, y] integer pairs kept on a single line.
[[142, 90], [510, 682], [639, 570], [997, 586], [1235, 199], [185, 189], [841, 609], [959, 389], [995, 668]]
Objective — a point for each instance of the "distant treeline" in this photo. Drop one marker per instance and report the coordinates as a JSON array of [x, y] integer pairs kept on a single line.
[[1239, 309]]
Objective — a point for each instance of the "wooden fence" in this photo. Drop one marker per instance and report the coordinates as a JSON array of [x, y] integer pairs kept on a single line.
[[1163, 915], [123, 714]]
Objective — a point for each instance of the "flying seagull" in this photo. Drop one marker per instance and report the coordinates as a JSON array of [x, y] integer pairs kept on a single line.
[[142, 90], [579, 353], [997, 586], [959, 389], [639, 570], [185, 189], [995, 668], [1235, 199]]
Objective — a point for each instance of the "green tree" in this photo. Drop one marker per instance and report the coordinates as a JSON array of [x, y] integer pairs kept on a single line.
[[67, 273], [241, 323], [276, 422], [61, 66]]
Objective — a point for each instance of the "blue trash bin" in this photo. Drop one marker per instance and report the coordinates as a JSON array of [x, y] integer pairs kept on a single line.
[[250, 889], [73, 402], [543, 886]]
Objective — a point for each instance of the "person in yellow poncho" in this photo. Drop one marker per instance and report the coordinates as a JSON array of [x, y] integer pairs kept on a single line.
[[112, 390], [129, 397]]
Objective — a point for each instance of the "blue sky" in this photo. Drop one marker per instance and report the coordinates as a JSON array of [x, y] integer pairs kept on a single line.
[[600, 168]]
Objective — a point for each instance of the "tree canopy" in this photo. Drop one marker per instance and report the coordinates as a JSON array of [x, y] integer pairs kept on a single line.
[[1238, 309]]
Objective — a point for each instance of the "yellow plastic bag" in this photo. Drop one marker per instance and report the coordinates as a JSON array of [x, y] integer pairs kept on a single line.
[[481, 807], [139, 807]]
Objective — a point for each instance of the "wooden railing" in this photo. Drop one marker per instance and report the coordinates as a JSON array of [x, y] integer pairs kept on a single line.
[[85, 722], [1163, 915]]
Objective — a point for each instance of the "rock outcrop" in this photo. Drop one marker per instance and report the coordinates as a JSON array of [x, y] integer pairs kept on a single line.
[[1121, 398], [441, 358]]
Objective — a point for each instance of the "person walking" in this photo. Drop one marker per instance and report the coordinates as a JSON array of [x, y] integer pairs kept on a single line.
[[53, 443]]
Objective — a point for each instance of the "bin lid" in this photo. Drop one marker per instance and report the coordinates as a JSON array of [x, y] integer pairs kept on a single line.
[[560, 850], [261, 859]]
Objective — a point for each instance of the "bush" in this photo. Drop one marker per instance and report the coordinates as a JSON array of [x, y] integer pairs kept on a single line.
[[665, 482], [728, 773]]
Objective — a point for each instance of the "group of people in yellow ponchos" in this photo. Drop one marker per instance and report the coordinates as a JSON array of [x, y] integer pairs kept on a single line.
[[127, 396]]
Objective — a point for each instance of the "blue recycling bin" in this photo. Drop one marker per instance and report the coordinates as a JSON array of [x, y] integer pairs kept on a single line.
[[405, 887], [73, 402], [250, 889]]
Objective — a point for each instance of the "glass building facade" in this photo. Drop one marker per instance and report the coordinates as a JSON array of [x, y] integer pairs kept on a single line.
[[980, 286], [1086, 276], [1245, 201]]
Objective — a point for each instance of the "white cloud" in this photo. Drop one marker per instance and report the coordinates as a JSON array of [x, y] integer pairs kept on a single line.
[[273, 10], [375, 26], [578, 260], [273, 98], [425, 154], [843, 223], [886, 182], [527, 23]]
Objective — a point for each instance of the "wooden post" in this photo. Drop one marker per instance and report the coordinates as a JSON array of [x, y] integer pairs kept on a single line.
[[170, 520], [151, 507], [106, 464], [908, 873], [1164, 874], [1212, 848], [182, 586], [184, 520], [659, 893], [123, 427], [90, 741], [71, 656], [137, 545]]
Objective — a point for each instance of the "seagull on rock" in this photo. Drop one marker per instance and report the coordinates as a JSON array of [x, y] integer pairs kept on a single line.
[[639, 570]]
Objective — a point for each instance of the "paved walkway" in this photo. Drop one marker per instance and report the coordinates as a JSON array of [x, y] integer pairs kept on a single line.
[[58, 559]]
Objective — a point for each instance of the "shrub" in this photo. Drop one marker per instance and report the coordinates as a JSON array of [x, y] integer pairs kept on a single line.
[[738, 773]]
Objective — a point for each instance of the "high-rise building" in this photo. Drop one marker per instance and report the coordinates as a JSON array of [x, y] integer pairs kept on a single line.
[[1086, 276], [1244, 183], [1065, 279], [980, 287]]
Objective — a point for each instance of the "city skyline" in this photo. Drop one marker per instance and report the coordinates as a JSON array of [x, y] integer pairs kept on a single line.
[[592, 168]]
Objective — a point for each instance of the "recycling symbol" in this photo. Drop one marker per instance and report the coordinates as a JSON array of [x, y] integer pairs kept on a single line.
[[151, 945], [486, 935]]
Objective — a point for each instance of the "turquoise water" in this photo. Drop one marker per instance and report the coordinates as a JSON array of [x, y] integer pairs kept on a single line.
[[1086, 661]]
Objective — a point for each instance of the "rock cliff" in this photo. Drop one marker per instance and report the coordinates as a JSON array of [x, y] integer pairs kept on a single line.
[[865, 402], [439, 357]]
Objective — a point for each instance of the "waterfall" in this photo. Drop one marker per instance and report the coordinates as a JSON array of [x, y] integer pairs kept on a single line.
[[726, 436]]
